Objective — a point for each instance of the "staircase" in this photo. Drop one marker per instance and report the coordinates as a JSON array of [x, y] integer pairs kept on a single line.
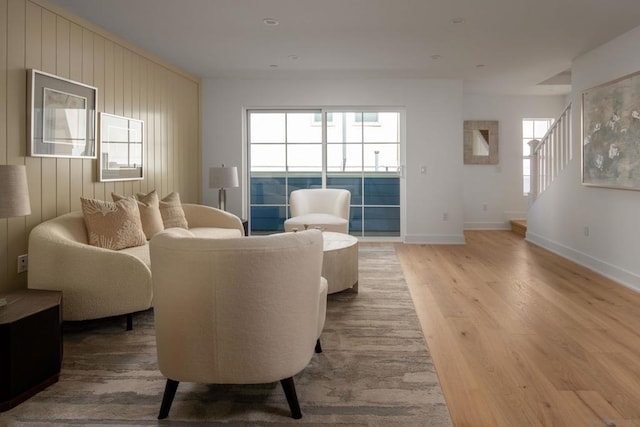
[[519, 226], [551, 154]]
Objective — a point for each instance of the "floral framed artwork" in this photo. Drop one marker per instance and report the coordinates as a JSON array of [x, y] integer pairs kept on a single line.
[[121, 148], [61, 117], [611, 134]]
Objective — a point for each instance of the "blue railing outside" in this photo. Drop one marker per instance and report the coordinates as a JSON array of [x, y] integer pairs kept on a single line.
[[375, 201]]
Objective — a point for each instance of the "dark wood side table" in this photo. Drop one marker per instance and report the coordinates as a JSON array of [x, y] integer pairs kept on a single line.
[[30, 344]]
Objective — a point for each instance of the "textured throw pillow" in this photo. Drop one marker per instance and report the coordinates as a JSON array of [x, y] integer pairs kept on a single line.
[[172, 212], [113, 225], [149, 207]]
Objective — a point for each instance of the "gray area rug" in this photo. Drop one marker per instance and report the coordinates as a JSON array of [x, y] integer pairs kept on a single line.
[[375, 371]]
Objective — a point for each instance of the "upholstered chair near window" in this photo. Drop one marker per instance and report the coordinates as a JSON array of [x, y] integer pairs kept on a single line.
[[237, 311], [324, 208]]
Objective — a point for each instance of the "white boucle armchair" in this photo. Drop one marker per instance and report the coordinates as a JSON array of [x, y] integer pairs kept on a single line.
[[237, 311], [324, 208], [97, 282]]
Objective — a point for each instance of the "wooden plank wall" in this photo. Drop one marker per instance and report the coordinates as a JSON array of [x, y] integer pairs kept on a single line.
[[130, 82]]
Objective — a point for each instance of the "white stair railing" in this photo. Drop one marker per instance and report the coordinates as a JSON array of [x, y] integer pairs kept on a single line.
[[551, 154]]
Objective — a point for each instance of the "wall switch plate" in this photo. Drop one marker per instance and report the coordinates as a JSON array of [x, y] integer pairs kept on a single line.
[[23, 263]]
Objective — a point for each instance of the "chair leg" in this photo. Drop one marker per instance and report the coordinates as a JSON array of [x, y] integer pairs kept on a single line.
[[167, 398], [129, 321], [292, 398], [318, 346]]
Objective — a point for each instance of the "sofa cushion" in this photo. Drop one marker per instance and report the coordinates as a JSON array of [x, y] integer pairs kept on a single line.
[[113, 225], [149, 207], [140, 252], [172, 212]]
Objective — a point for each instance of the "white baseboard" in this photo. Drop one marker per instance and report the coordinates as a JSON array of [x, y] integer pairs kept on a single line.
[[617, 274], [436, 239]]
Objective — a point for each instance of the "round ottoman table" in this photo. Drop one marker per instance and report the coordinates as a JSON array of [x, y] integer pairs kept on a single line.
[[340, 261]]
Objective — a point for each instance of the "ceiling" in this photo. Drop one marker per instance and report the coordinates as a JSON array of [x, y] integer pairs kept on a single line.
[[494, 46]]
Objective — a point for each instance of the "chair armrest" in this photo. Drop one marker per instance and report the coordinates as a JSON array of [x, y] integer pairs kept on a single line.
[[207, 216], [96, 282]]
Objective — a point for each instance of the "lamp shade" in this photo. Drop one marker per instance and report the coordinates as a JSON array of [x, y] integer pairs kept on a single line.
[[14, 192], [223, 177]]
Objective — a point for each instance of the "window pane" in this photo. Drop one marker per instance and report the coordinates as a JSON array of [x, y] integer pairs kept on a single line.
[[304, 157], [379, 221], [540, 128], [267, 189], [526, 149], [386, 129], [267, 127], [344, 157], [301, 181], [381, 157], [345, 128], [267, 219], [348, 182], [526, 167], [268, 157], [381, 191], [527, 129], [355, 221], [526, 184], [300, 128]]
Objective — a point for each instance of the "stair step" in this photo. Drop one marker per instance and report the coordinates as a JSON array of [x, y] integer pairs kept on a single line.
[[519, 226]]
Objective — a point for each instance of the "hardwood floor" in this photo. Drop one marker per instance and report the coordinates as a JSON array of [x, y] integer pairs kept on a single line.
[[522, 337]]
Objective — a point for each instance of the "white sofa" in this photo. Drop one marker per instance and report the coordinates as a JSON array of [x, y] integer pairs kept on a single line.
[[97, 282]]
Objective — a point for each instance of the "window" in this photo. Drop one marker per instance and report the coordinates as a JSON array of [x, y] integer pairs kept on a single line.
[[531, 129], [367, 118], [295, 149]]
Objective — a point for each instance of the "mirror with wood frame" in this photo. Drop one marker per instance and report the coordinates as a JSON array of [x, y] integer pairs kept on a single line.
[[480, 142]]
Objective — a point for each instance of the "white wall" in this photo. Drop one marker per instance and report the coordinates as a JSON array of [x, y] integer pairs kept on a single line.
[[500, 186], [558, 218], [433, 136]]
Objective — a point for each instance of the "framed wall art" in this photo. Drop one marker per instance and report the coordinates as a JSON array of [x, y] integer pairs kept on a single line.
[[611, 134], [61, 117], [480, 142], [121, 148]]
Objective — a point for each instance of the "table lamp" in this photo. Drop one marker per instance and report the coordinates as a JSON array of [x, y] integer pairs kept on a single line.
[[223, 177], [14, 194]]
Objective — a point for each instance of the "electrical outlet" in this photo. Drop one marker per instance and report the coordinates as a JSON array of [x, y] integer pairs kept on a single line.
[[445, 216], [484, 207], [586, 231], [23, 263]]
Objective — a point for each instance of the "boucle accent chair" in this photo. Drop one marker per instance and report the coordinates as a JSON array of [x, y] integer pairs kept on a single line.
[[237, 311], [98, 282], [324, 208]]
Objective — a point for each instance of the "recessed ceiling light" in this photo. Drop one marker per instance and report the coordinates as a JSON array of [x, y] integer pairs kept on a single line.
[[458, 21], [436, 57], [293, 57], [273, 66], [270, 21], [480, 66]]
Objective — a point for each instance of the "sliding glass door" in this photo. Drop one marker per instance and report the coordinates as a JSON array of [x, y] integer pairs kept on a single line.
[[356, 150]]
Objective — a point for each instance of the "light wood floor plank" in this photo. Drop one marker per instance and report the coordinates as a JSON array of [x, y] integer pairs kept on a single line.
[[522, 337]]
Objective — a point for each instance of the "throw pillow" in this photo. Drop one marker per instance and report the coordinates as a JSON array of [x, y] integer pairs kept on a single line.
[[149, 207], [172, 212], [113, 225]]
